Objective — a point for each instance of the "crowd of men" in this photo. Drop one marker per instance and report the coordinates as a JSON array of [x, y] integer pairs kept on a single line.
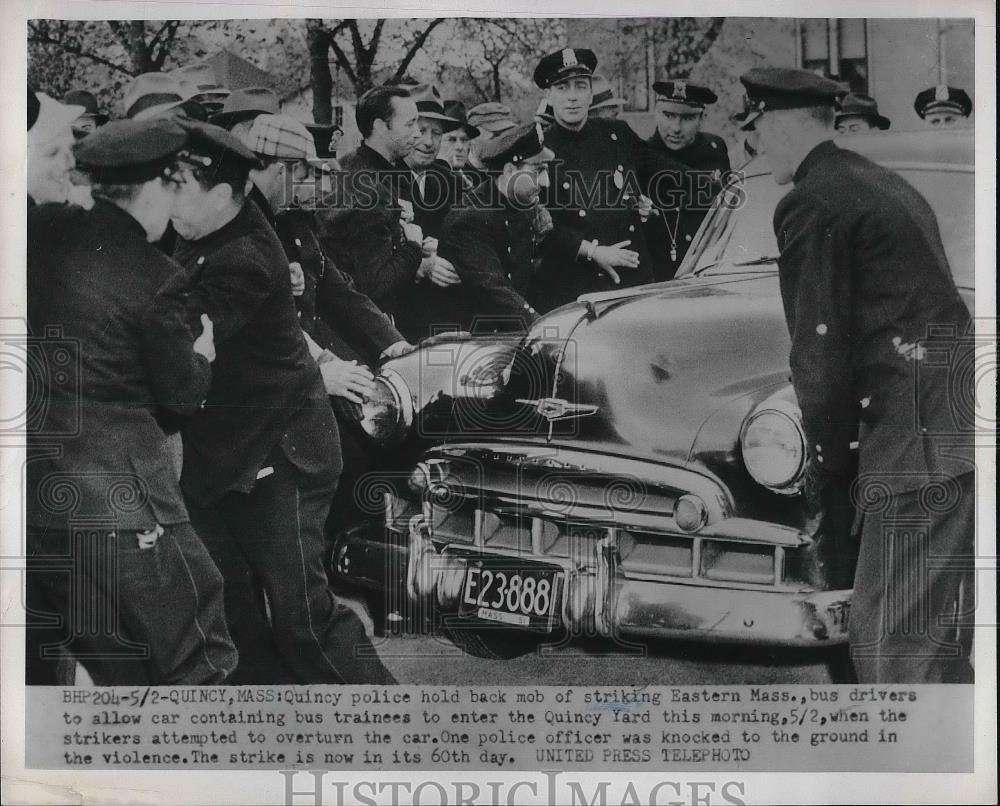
[[228, 276]]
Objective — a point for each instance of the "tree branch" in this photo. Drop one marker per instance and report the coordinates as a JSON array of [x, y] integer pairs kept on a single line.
[[415, 47], [38, 37]]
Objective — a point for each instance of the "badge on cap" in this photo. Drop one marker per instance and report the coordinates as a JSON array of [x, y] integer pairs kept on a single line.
[[941, 93], [680, 90], [569, 57]]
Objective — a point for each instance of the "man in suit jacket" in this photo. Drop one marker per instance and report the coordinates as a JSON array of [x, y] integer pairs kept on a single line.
[[262, 457], [359, 224], [866, 286], [102, 483]]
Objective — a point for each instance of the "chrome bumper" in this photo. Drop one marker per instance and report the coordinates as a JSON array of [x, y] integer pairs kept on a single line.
[[598, 599]]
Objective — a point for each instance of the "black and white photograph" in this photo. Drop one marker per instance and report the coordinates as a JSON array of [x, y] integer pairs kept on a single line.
[[533, 390]]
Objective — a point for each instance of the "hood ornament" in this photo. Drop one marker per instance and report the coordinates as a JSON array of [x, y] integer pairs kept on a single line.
[[556, 408]]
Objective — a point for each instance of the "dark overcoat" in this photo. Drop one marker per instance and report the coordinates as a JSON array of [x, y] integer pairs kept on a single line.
[[115, 351], [266, 389]]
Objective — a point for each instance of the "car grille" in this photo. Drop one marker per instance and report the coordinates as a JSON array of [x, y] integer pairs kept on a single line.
[[642, 554]]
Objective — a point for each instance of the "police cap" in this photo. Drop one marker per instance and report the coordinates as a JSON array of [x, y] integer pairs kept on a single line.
[[680, 91], [514, 146], [210, 145], [129, 152], [772, 88], [943, 99], [563, 64]]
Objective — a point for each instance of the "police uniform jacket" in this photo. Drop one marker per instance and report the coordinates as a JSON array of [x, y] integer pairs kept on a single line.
[[115, 347], [863, 277], [490, 243], [359, 228], [594, 169], [266, 392], [707, 159], [331, 310]]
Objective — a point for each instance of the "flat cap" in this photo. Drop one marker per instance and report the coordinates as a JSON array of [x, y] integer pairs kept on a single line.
[[772, 88], [131, 151], [208, 145], [515, 146], [492, 117], [280, 136], [680, 91], [856, 105], [943, 99], [563, 64]]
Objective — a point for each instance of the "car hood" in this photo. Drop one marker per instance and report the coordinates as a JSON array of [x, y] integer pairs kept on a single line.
[[642, 374]]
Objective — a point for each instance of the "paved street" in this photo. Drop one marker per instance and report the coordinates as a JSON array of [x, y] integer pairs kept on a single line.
[[433, 659]]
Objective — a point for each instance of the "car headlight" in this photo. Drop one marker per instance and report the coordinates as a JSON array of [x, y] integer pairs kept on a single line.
[[387, 413], [774, 446]]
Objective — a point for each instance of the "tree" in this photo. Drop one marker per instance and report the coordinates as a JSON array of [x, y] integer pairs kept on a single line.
[[104, 55], [499, 54], [360, 48]]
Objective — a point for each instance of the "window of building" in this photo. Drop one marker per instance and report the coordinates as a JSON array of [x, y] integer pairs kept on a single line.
[[837, 48]]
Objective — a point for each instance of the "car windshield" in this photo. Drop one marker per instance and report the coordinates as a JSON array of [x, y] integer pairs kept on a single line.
[[737, 235]]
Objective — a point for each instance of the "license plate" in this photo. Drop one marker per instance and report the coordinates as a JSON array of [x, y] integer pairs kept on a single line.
[[507, 592]]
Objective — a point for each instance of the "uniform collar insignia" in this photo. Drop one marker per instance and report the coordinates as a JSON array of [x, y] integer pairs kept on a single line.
[[568, 57]]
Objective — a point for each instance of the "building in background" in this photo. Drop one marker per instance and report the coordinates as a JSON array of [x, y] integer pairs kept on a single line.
[[890, 59]]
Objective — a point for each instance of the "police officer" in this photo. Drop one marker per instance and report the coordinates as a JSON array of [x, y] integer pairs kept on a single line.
[[866, 285], [598, 187], [943, 107], [262, 457], [490, 240], [680, 110], [858, 113], [106, 492]]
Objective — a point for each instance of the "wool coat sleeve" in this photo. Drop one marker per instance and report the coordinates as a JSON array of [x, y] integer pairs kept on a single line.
[[815, 271]]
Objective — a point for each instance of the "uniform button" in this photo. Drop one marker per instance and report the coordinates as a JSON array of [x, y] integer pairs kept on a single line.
[[819, 459], [508, 276], [200, 260], [508, 250], [715, 145], [583, 213], [614, 136], [506, 223], [631, 227], [866, 402], [620, 168], [819, 448], [687, 237], [298, 242], [531, 310], [821, 329], [527, 307], [565, 185]]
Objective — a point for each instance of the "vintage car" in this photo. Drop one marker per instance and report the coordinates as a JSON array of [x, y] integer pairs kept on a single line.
[[632, 467]]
